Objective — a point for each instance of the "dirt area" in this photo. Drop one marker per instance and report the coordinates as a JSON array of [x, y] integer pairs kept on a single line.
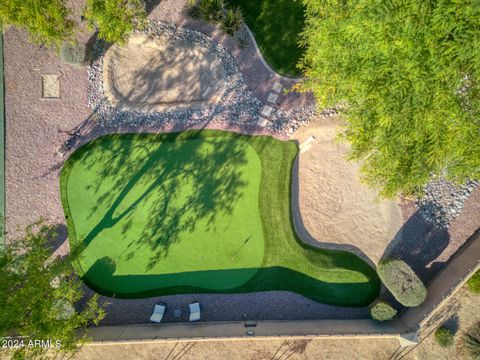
[[335, 206], [167, 75], [247, 350]]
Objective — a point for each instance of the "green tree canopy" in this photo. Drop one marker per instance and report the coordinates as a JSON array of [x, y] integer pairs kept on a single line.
[[115, 19], [38, 294], [408, 74], [47, 20]]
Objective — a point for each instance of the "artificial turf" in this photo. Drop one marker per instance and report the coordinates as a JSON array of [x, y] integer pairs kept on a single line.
[[202, 211], [276, 25]]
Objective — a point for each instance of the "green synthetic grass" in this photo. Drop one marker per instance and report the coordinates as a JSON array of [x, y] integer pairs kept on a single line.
[[197, 212], [276, 25]]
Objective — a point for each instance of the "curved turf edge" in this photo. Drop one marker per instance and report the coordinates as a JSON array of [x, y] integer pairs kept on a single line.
[[277, 225]]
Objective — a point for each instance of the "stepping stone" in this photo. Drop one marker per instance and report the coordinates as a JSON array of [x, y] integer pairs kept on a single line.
[[305, 148], [277, 87], [308, 141], [50, 87], [272, 98], [262, 122], [267, 111]]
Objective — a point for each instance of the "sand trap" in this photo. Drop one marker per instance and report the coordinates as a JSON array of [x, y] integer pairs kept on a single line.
[[334, 205], [157, 74]]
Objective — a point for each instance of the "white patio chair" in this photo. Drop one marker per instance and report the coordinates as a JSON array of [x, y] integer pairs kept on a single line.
[[158, 312], [194, 312]]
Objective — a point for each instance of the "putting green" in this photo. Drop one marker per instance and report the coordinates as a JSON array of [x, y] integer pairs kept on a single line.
[[196, 211]]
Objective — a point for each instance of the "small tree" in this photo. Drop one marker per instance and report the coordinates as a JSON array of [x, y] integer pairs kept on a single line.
[[74, 53], [473, 283], [115, 19], [382, 311], [38, 294], [444, 337], [47, 21], [402, 282]]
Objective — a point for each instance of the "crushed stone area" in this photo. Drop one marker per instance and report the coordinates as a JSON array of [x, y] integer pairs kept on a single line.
[[444, 200]]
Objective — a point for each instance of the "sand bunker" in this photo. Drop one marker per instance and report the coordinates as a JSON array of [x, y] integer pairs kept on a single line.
[[158, 74], [335, 206]]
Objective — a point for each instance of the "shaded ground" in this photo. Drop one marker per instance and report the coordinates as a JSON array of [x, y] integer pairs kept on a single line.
[[334, 205], [276, 25]]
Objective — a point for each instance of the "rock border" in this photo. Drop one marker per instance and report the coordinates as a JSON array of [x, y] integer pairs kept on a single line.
[[238, 106]]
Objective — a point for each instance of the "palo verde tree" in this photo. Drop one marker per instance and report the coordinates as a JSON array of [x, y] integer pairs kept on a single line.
[[115, 19], [407, 76], [47, 21], [38, 294]]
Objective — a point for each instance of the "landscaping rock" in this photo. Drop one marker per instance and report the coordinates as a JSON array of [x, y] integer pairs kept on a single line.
[[237, 106], [443, 201]]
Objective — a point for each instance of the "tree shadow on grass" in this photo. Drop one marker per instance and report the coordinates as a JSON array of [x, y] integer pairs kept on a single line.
[[155, 178], [101, 278]]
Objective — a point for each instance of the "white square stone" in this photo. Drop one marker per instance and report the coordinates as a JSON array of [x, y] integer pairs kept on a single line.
[[50, 87], [262, 122], [272, 98], [267, 111], [277, 87]]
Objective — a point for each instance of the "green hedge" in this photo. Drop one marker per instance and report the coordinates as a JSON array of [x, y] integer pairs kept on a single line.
[[382, 311], [402, 282]]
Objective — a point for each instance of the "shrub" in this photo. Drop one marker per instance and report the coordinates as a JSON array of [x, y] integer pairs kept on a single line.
[[115, 19], [402, 282], [232, 21], [444, 337], [49, 22], [211, 10], [471, 341], [474, 283], [382, 311], [74, 54], [192, 9]]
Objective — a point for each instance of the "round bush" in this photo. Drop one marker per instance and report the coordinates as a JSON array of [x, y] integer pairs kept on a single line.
[[474, 283], [444, 337], [402, 282], [74, 54], [382, 311], [471, 341]]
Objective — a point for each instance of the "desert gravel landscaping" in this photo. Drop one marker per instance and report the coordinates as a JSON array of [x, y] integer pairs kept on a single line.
[[37, 128]]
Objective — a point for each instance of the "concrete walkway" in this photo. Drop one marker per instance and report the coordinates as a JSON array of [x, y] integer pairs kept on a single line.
[[242, 330]]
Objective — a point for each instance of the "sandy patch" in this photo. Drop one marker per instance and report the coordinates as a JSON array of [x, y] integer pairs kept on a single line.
[[157, 73], [335, 206]]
